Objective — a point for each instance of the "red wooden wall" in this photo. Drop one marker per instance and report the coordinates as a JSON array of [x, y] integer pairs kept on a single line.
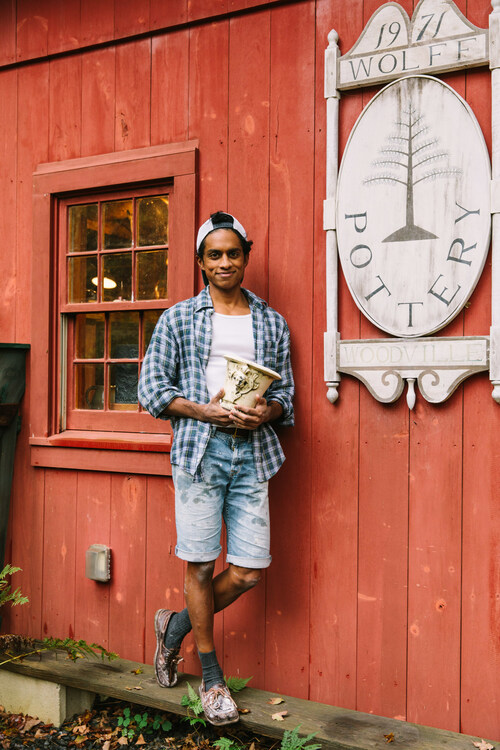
[[383, 594]]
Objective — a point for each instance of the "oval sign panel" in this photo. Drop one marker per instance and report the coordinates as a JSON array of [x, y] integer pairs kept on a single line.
[[413, 206]]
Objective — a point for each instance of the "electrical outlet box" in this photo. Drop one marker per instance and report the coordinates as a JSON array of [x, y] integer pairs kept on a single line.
[[98, 562]]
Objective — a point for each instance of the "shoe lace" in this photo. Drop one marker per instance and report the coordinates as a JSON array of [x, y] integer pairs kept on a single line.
[[218, 692], [173, 656]]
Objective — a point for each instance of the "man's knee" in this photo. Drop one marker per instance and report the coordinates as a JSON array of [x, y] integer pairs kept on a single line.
[[202, 573], [244, 578]]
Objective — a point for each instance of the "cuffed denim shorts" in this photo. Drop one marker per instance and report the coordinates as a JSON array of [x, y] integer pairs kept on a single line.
[[229, 490]]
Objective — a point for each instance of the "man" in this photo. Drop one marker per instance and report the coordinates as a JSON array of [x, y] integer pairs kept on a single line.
[[221, 460]]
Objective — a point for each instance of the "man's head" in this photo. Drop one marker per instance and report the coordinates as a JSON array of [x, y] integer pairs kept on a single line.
[[221, 220]]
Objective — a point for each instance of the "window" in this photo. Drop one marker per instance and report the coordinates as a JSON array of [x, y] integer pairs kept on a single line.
[[113, 246], [113, 261]]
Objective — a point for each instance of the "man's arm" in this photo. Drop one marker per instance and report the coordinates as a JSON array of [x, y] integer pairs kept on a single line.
[[211, 412], [158, 378]]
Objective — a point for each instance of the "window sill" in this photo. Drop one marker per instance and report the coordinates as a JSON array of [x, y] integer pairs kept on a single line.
[[124, 452]]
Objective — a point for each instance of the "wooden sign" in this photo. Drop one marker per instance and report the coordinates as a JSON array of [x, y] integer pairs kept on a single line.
[[409, 215], [437, 38], [413, 211], [438, 365]]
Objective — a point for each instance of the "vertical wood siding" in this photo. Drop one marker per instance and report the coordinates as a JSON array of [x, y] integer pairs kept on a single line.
[[383, 592]]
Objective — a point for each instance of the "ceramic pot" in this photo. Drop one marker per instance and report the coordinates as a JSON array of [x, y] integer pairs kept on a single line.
[[244, 381]]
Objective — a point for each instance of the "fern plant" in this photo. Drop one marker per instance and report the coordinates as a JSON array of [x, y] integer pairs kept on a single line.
[[235, 684], [16, 647], [6, 593], [227, 743], [292, 741], [193, 703]]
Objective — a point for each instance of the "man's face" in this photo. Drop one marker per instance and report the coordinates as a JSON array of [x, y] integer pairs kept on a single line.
[[223, 260]]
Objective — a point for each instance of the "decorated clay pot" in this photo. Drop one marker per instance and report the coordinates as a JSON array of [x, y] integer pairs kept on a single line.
[[244, 381]]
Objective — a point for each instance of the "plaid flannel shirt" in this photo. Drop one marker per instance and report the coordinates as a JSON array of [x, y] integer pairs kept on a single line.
[[175, 364]]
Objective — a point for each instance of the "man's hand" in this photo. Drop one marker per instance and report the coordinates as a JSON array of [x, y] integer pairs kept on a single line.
[[249, 418], [214, 413]]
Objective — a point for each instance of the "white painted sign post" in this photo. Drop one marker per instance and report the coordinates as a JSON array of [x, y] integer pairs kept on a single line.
[[409, 214]]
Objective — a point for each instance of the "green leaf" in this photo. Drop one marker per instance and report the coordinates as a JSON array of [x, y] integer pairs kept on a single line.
[[192, 701], [292, 741], [194, 720], [226, 743], [235, 684], [6, 595]]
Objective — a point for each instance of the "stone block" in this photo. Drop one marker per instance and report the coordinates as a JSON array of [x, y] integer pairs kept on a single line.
[[50, 702]]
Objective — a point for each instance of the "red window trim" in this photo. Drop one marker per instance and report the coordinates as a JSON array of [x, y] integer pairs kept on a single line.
[[177, 162]]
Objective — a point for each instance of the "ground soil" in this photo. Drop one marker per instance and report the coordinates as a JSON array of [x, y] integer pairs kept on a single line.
[[101, 728]]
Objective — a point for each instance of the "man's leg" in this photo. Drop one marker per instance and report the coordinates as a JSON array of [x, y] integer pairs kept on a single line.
[[232, 490], [209, 595], [206, 595]]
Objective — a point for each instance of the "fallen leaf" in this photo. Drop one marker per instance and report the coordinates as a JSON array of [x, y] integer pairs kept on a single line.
[[81, 729], [29, 724], [123, 741], [140, 740], [280, 716], [106, 745], [244, 711], [252, 746], [275, 701], [137, 671], [483, 745], [136, 687], [389, 737]]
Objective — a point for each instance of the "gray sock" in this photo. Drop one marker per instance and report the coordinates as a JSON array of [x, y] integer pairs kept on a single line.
[[178, 627], [212, 673]]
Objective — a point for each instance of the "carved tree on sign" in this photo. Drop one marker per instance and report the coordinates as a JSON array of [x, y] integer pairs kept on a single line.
[[407, 149]]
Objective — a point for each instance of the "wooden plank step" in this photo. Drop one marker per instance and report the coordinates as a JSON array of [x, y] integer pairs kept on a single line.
[[335, 728]]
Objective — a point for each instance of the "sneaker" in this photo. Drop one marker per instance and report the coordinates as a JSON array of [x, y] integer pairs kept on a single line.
[[166, 659], [218, 705]]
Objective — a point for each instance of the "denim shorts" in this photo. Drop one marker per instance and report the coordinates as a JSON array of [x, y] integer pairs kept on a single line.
[[229, 490]]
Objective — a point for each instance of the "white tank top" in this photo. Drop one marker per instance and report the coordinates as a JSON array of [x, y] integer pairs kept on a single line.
[[231, 334]]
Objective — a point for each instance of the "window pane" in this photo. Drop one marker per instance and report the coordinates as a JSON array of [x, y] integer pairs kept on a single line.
[[124, 335], [150, 319], [117, 224], [89, 336], [82, 228], [89, 386], [82, 281], [123, 381], [152, 220], [151, 274], [117, 277]]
